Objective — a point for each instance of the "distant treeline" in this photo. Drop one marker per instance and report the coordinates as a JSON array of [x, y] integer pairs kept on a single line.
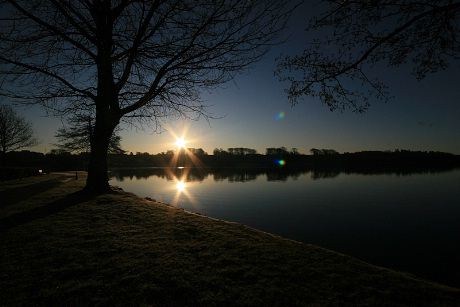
[[323, 160]]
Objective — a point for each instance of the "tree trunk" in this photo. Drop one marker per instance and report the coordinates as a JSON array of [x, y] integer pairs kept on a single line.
[[107, 107], [98, 180], [3, 158]]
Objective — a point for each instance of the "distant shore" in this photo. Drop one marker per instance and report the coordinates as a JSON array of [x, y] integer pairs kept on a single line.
[[61, 246], [26, 163]]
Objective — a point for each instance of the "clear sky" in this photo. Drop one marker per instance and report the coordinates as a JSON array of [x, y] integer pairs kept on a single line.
[[422, 115]]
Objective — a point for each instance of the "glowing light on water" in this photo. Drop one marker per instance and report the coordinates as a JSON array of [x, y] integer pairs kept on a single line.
[[180, 186], [182, 154]]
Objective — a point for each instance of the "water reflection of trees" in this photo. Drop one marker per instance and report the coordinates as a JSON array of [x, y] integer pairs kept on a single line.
[[188, 174], [322, 174], [232, 176], [251, 174]]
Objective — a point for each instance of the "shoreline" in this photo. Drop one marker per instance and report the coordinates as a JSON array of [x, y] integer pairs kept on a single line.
[[127, 249]]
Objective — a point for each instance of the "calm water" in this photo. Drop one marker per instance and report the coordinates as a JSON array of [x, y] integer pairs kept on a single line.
[[406, 222]]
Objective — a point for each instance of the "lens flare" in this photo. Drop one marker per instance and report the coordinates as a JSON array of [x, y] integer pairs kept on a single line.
[[280, 115], [281, 162]]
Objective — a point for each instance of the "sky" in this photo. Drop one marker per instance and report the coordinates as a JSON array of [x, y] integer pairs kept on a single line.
[[253, 111]]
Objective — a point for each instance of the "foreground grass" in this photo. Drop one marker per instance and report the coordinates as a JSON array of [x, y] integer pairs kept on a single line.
[[117, 249]]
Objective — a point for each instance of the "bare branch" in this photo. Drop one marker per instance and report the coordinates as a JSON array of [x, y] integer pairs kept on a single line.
[[50, 74], [52, 28], [364, 33], [15, 131]]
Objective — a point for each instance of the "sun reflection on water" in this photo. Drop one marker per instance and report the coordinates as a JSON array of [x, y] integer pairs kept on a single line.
[[182, 160], [180, 186]]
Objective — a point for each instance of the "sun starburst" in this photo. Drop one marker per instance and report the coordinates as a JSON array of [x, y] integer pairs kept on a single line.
[[180, 142]]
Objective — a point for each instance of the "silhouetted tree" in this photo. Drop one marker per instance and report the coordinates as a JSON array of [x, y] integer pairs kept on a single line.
[[323, 152], [59, 152], [219, 152], [129, 59], [197, 151], [316, 152], [77, 136], [330, 152], [15, 131], [335, 68], [281, 151], [239, 151]]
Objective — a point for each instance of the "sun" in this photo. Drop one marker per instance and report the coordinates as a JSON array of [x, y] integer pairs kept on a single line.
[[180, 142]]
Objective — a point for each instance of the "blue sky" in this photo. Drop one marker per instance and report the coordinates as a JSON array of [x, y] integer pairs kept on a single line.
[[422, 115]]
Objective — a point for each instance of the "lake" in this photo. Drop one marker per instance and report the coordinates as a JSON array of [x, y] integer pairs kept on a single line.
[[408, 222]]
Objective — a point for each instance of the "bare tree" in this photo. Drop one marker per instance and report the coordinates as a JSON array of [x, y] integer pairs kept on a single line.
[[15, 131], [77, 135], [129, 59], [355, 35]]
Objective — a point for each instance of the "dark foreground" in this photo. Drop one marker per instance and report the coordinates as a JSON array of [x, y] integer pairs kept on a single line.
[[62, 247]]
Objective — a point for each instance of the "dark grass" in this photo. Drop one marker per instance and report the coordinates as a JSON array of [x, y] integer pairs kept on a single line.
[[118, 249], [15, 195], [19, 218]]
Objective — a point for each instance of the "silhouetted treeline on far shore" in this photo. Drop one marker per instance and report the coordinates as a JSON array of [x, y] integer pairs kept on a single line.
[[327, 161]]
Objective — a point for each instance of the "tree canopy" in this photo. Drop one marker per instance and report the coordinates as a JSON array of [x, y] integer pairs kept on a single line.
[[154, 56], [77, 135], [129, 59], [355, 35], [15, 131]]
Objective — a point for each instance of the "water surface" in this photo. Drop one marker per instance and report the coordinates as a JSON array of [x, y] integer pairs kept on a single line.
[[407, 222]]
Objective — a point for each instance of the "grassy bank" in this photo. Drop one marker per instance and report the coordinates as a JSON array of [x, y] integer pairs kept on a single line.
[[63, 247]]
